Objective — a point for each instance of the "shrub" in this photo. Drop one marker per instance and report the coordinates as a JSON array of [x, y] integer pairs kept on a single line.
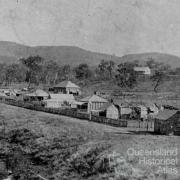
[[85, 162]]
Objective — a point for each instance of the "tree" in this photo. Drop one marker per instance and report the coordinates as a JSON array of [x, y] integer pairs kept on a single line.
[[105, 69], [126, 77], [34, 68], [14, 73], [160, 74], [66, 72], [82, 72], [102, 69], [50, 72], [110, 67], [151, 63], [2, 73], [10, 74]]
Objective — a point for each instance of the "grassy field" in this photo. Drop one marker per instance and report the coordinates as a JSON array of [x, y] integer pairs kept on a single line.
[[68, 148]]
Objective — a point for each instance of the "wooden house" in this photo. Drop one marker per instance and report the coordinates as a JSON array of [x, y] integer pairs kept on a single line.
[[92, 103], [67, 87], [38, 95], [167, 122], [109, 110], [59, 101]]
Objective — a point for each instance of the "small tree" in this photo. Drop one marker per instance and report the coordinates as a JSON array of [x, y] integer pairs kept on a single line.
[[160, 75]]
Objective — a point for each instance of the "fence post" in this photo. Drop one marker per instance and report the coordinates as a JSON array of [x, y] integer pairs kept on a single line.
[[90, 115]]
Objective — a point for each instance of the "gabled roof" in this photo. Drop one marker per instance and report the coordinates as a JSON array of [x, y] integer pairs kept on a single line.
[[165, 114], [40, 92], [67, 84], [94, 98]]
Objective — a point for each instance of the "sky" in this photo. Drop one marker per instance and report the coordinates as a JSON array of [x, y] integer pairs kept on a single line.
[[115, 27]]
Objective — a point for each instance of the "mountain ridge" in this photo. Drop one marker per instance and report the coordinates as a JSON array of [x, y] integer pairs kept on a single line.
[[10, 52]]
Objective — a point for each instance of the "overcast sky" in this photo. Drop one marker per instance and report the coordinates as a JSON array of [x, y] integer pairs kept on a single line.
[[111, 26]]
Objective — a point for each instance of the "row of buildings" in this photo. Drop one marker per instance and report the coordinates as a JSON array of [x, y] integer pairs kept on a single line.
[[66, 95]]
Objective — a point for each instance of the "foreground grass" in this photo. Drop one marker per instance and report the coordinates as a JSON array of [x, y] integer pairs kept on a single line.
[[61, 147]]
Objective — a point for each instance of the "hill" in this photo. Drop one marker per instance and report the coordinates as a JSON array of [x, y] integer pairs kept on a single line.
[[174, 61], [11, 52]]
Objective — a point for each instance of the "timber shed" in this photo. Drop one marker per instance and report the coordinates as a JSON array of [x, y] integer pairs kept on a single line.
[[167, 122]]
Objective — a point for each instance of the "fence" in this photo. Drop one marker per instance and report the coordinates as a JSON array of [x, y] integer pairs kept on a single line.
[[146, 125], [113, 122], [65, 112]]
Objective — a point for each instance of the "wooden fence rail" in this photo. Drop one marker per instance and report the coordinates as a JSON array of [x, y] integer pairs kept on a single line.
[[65, 112]]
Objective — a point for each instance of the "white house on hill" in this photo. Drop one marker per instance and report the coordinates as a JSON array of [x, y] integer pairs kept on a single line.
[[143, 70]]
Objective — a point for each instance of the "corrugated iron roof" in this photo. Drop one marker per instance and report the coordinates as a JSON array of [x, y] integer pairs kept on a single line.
[[165, 114], [38, 93]]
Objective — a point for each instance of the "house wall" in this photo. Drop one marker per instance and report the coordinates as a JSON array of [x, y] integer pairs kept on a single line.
[[60, 103], [94, 106], [74, 91], [67, 90], [177, 124], [143, 113], [59, 90], [53, 104], [112, 112], [125, 112]]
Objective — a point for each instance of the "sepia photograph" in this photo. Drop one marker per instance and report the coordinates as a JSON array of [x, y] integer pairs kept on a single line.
[[89, 90]]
